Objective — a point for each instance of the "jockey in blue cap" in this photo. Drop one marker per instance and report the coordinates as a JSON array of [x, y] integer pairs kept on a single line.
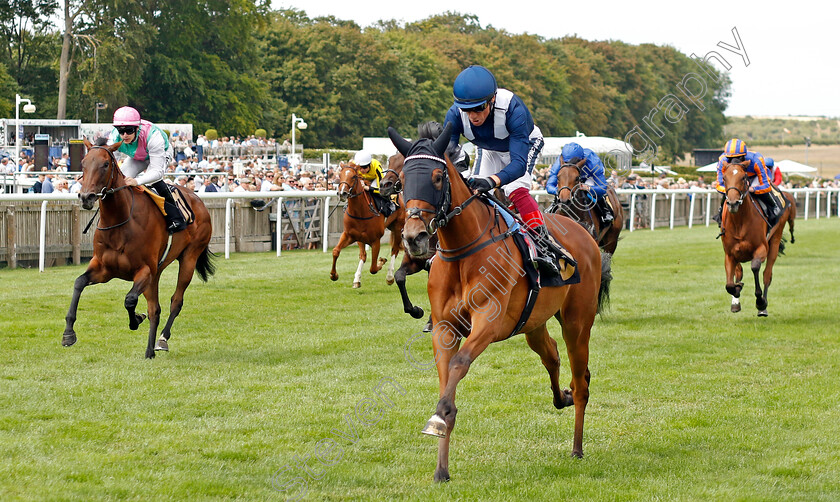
[[497, 122], [736, 152], [592, 176]]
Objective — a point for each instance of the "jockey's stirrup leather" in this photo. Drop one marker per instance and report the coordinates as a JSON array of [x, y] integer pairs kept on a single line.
[[553, 263], [174, 219]]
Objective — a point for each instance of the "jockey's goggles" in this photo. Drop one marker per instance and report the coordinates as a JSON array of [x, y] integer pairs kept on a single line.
[[477, 109], [126, 129]]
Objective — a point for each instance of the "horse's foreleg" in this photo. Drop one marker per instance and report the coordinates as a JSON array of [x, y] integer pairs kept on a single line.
[[408, 267], [733, 281], [396, 246], [541, 342], [445, 344], [376, 262], [343, 242], [141, 281], [186, 269], [153, 305], [91, 276]]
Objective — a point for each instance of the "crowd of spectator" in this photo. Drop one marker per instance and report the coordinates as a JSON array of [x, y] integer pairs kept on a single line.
[[226, 172]]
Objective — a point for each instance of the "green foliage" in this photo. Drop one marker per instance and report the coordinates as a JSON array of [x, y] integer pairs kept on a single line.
[[336, 155], [234, 65], [771, 131], [8, 88], [260, 133], [211, 134]]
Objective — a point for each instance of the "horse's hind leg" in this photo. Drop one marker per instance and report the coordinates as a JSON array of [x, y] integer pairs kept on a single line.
[[576, 335], [541, 342], [92, 275], [760, 299], [186, 270], [357, 277], [141, 281], [153, 305]]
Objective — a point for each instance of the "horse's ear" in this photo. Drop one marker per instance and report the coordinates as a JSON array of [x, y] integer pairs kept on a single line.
[[443, 140], [581, 163], [401, 143], [87, 143], [114, 147]]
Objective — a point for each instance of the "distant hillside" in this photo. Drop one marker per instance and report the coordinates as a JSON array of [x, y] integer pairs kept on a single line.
[[771, 130]]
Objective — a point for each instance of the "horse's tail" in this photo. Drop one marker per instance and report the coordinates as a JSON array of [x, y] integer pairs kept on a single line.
[[606, 277], [205, 266]]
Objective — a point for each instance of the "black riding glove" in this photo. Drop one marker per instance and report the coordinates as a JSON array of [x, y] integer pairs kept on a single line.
[[482, 185]]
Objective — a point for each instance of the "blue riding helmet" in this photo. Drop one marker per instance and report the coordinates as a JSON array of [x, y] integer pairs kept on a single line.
[[473, 87], [572, 152], [769, 162]]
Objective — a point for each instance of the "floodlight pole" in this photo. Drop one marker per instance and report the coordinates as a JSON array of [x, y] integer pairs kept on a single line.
[[28, 108]]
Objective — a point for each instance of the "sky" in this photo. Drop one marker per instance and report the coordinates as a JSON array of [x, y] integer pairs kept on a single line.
[[792, 47]]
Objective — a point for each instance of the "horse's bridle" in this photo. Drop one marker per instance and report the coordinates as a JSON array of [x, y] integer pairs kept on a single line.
[[398, 183], [571, 189], [741, 194], [112, 164]]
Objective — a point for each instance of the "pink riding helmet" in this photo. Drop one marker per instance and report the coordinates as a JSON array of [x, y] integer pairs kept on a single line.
[[126, 116]]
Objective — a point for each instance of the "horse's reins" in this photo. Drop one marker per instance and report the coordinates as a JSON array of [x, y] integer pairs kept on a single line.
[[112, 163], [443, 215], [354, 195]]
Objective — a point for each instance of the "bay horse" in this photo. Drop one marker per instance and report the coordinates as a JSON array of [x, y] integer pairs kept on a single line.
[[391, 185], [364, 224], [576, 203], [477, 290], [130, 243], [747, 236], [410, 265]]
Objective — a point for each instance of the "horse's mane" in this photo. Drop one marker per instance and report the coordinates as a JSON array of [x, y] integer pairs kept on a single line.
[[429, 130], [100, 141]]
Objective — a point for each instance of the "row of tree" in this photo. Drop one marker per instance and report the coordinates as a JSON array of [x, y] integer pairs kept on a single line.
[[238, 65]]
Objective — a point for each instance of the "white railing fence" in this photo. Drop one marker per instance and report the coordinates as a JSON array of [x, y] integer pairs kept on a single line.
[[640, 208]]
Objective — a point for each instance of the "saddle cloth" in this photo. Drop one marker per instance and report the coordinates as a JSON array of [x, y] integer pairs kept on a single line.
[[525, 243], [180, 202]]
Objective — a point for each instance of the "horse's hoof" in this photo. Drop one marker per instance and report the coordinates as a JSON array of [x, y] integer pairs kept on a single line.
[[333, 277], [416, 312], [138, 320], [762, 313], [382, 261], [442, 476], [150, 355], [436, 426], [577, 454], [736, 307], [162, 345], [564, 399], [428, 327], [389, 281], [357, 285], [68, 339]]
